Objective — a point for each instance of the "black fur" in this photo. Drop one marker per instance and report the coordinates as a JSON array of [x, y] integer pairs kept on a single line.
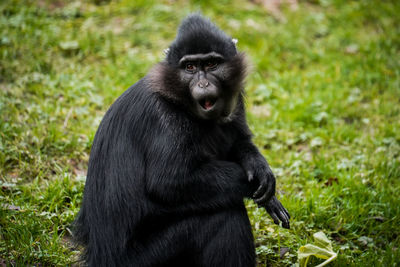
[[197, 35], [165, 188]]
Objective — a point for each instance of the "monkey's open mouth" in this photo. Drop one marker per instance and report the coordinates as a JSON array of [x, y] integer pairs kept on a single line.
[[207, 103]]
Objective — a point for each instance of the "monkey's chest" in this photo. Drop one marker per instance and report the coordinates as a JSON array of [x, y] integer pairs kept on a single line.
[[216, 142]]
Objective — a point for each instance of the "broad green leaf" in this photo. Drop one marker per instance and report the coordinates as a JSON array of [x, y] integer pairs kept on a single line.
[[322, 248]]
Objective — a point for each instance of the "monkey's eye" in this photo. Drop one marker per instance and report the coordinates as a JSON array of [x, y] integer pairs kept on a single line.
[[211, 65], [190, 67]]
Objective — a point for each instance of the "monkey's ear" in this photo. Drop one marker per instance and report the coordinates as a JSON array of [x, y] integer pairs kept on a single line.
[[166, 51], [235, 41]]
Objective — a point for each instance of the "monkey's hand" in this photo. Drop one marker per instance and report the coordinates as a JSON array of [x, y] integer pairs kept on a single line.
[[278, 213], [259, 173]]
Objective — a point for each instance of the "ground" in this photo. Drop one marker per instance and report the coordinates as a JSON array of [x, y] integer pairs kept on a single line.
[[323, 101]]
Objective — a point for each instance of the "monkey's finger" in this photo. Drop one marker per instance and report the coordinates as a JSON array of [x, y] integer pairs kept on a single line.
[[260, 191], [250, 175], [274, 217], [264, 198], [282, 212], [268, 194], [278, 215], [281, 207], [286, 224], [284, 218], [287, 213]]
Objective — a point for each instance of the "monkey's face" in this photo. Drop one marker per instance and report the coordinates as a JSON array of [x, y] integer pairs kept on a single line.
[[208, 77], [202, 72]]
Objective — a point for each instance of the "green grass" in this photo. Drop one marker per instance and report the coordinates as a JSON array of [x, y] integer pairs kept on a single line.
[[323, 103]]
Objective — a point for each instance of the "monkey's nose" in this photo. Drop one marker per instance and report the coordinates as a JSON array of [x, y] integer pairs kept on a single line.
[[203, 84]]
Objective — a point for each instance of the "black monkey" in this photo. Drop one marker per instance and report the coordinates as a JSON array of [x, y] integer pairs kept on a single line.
[[172, 161]]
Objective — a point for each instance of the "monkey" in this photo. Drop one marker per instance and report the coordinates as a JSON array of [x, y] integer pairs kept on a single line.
[[173, 160]]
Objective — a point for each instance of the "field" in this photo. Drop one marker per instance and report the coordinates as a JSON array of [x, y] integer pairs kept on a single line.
[[323, 102]]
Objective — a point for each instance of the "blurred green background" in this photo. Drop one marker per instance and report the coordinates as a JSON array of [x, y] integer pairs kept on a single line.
[[323, 101]]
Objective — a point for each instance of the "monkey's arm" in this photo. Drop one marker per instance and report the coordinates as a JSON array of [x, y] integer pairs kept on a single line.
[[177, 176]]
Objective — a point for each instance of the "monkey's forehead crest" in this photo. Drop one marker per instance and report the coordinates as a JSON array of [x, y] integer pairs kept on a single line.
[[198, 35], [166, 50]]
